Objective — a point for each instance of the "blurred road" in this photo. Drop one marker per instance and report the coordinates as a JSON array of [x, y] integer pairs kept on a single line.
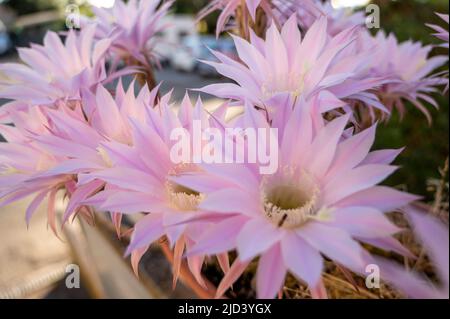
[[180, 81]]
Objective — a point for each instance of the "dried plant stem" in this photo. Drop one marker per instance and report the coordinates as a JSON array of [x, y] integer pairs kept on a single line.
[[436, 207], [245, 22], [146, 78], [260, 25], [334, 281], [241, 19]]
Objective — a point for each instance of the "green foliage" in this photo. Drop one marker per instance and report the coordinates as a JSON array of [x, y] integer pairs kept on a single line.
[[407, 18], [30, 6], [189, 6], [193, 7], [427, 146]]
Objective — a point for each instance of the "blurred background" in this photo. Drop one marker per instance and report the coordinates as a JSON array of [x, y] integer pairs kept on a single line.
[[31, 262]]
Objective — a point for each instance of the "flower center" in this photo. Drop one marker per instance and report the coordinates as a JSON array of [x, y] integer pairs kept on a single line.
[[294, 83], [183, 198], [290, 198]]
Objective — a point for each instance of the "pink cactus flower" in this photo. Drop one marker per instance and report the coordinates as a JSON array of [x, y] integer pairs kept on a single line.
[[338, 19], [21, 159], [441, 33], [408, 66], [64, 141], [56, 70], [284, 63], [323, 199], [36, 157], [132, 26], [140, 180], [272, 9]]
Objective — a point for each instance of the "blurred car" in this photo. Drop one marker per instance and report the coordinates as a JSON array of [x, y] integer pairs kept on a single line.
[[194, 48], [184, 58], [227, 47], [168, 43], [208, 43], [5, 40]]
